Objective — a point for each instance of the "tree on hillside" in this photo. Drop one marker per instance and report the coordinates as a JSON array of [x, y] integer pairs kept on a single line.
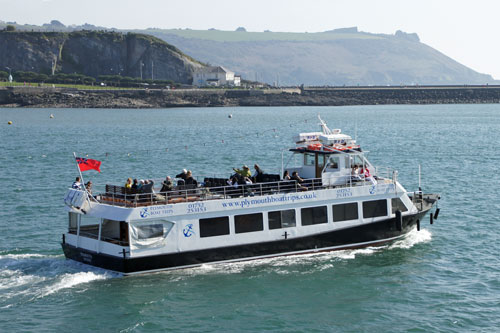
[[10, 27]]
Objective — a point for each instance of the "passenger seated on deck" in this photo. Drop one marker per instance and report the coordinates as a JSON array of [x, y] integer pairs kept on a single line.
[[147, 186], [299, 181], [286, 175], [258, 177], [128, 184], [368, 176], [190, 180], [167, 185], [77, 185], [355, 173], [182, 176], [244, 171], [88, 187], [135, 185]]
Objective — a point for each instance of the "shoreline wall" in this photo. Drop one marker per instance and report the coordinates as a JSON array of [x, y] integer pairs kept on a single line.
[[43, 97]]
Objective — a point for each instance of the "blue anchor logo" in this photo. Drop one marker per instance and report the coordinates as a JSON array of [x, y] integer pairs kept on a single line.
[[188, 231], [372, 189], [144, 212]]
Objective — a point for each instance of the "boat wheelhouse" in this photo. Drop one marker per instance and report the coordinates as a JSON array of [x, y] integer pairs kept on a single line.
[[340, 201]]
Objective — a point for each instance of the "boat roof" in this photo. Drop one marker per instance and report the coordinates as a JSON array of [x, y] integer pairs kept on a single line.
[[303, 150]]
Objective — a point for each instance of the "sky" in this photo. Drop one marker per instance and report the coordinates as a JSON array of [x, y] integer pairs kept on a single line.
[[467, 31]]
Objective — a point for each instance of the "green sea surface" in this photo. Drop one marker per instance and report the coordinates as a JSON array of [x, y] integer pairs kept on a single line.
[[444, 278]]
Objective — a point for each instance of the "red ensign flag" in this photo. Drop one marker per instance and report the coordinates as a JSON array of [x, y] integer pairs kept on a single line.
[[88, 164]]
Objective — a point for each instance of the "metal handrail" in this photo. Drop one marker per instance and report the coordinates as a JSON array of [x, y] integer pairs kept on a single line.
[[203, 193]]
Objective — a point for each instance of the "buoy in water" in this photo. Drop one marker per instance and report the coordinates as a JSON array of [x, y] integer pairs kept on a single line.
[[9, 122], [51, 116], [230, 116]]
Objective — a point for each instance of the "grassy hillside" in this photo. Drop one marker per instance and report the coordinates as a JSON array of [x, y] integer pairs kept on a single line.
[[326, 58], [243, 36]]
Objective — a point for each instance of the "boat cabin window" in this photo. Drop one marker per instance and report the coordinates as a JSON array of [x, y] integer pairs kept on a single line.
[[314, 215], [149, 231], [73, 222], [309, 159], [215, 226], [397, 204], [374, 208], [248, 223], [345, 212], [357, 160], [333, 162], [281, 219]]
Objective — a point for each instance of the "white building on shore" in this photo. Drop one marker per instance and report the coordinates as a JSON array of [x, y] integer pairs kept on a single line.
[[215, 76]]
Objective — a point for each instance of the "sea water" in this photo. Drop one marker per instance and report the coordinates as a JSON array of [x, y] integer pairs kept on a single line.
[[444, 278]]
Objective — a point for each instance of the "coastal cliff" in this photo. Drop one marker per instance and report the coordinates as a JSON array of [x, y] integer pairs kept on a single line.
[[95, 53]]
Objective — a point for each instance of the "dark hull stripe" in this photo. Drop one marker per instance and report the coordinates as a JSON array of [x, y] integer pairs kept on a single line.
[[369, 234]]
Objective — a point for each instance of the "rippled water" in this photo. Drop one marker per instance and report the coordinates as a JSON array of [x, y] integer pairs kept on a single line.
[[443, 278]]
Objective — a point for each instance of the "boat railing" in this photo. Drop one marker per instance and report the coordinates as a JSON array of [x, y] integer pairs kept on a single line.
[[120, 196]]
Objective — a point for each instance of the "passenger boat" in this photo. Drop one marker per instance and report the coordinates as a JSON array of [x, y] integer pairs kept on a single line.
[[333, 208]]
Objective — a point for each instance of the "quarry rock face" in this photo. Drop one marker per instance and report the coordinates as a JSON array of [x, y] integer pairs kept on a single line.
[[95, 53]]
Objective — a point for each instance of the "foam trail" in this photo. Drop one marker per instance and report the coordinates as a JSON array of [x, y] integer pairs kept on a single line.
[[71, 280], [28, 256], [412, 238], [13, 279], [408, 241]]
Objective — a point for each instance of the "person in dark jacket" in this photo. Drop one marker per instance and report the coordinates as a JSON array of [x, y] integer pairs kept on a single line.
[[190, 180], [167, 185], [182, 175], [299, 181], [258, 176]]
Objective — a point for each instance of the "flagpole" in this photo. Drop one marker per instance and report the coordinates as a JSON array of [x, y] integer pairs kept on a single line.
[[80, 172], [81, 177]]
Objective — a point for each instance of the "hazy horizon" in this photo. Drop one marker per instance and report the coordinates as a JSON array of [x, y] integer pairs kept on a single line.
[[462, 31]]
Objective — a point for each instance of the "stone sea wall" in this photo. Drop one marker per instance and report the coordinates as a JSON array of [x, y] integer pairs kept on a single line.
[[144, 98]]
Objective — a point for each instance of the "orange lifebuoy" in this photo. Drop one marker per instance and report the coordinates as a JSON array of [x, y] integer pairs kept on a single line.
[[315, 146]]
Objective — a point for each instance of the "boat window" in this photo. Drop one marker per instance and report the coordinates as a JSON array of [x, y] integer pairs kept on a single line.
[[357, 160], [375, 208], [73, 222], [397, 204], [314, 215], [309, 159], [281, 219], [248, 223], [149, 231], [345, 212], [215, 226], [333, 162]]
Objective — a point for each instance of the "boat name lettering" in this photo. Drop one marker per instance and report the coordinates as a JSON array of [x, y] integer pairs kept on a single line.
[[155, 211], [86, 257], [384, 189], [196, 207], [284, 198], [344, 193]]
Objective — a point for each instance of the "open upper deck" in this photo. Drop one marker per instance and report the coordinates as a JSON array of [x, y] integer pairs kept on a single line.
[[214, 189]]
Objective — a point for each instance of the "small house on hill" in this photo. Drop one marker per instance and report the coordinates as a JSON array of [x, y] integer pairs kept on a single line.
[[215, 76]]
